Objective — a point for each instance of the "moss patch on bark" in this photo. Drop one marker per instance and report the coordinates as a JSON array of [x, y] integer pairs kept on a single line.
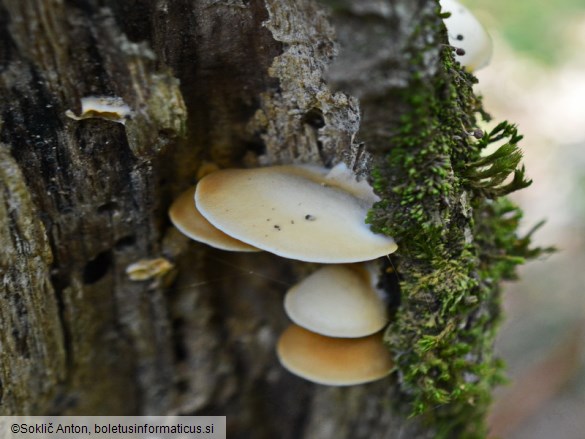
[[443, 200]]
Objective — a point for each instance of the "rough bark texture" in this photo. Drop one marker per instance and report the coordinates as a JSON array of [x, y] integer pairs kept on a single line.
[[232, 82]]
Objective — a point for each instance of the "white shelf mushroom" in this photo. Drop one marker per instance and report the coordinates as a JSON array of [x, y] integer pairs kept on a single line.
[[337, 301], [294, 211], [467, 35], [333, 361], [187, 219], [102, 107]]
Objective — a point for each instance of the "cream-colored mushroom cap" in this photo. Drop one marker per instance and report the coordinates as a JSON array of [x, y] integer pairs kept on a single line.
[[333, 361], [185, 217], [467, 33], [292, 211], [338, 301], [102, 107]]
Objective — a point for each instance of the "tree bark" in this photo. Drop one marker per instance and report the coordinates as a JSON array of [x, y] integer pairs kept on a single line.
[[229, 82]]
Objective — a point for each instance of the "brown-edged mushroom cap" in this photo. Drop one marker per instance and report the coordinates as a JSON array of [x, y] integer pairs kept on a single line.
[[292, 211], [337, 301], [333, 361], [185, 217]]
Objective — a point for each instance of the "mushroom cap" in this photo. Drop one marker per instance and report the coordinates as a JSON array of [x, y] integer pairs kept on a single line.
[[102, 107], [333, 361], [292, 211], [185, 217], [337, 301], [467, 33]]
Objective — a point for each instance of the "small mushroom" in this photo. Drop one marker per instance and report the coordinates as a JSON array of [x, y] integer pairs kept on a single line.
[[146, 269], [185, 217], [337, 301], [472, 42], [319, 219], [333, 361], [102, 107]]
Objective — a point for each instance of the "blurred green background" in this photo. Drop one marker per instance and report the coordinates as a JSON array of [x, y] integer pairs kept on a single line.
[[539, 29], [537, 80]]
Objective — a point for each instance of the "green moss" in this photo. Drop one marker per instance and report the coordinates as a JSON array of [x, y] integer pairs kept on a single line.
[[457, 239]]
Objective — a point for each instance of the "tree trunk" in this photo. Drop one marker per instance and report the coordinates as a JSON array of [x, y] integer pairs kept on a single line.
[[229, 82]]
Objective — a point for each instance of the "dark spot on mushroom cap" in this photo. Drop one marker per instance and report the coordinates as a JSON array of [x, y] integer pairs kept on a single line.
[[459, 37], [460, 51], [310, 218], [277, 227]]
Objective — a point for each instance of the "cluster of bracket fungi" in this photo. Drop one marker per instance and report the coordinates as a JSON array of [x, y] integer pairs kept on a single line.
[[311, 214], [314, 214]]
